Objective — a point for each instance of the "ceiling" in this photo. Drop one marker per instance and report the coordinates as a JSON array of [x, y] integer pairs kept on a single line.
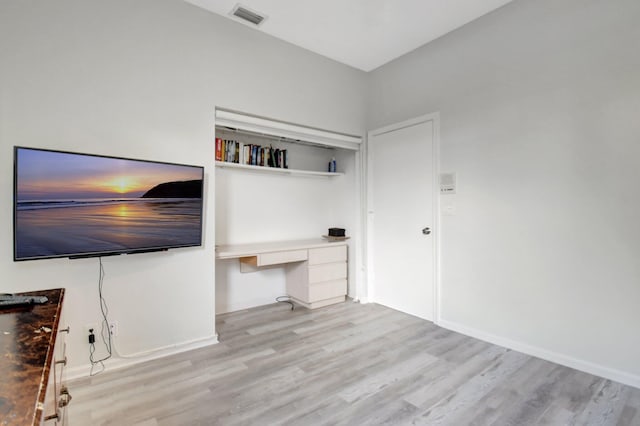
[[364, 34]]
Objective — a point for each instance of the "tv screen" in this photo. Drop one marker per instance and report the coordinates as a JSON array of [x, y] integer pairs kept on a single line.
[[73, 205]]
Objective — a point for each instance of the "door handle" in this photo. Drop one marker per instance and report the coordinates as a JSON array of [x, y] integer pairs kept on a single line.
[[426, 231]]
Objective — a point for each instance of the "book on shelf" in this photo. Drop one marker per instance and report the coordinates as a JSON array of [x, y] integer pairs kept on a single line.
[[254, 155], [267, 157], [232, 151], [271, 160], [218, 149], [240, 154], [246, 158]]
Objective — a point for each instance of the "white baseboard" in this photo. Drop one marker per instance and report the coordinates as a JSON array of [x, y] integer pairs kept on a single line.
[[245, 304], [559, 358], [118, 362]]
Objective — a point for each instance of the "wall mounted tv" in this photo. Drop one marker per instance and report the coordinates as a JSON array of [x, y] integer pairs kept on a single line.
[[76, 205]]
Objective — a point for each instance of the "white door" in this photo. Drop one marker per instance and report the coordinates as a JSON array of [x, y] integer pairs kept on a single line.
[[402, 243]]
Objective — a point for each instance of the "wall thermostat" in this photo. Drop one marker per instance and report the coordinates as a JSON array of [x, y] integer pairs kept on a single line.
[[447, 183]]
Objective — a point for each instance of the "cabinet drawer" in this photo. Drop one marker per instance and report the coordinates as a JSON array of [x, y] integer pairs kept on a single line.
[[318, 256], [278, 257], [327, 290], [327, 272]]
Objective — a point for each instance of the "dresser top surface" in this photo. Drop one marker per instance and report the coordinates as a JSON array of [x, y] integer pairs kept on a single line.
[[233, 251], [27, 339]]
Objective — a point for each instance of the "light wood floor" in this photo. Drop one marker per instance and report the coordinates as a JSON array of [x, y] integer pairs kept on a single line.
[[348, 364]]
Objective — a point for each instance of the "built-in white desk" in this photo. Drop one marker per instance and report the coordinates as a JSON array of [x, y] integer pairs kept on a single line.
[[316, 269]]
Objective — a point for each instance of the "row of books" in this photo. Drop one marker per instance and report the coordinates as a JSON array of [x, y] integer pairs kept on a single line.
[[231, 151]]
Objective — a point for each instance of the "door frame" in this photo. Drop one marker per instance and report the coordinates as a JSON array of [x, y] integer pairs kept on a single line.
[[367, 170]]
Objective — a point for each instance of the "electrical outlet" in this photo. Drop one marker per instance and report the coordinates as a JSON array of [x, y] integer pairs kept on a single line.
[[114, 328], [90, 331]]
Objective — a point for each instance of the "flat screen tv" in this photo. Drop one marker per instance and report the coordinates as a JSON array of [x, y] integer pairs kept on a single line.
[[74, 205]]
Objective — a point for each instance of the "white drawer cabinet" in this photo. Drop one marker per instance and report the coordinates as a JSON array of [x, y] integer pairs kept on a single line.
[[320, 281], [316, 270]]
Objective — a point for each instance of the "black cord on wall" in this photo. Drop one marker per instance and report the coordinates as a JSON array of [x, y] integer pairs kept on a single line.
[[105, 327]]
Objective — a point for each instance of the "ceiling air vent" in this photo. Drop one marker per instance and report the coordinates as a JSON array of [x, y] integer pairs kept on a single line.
[[247, 15]]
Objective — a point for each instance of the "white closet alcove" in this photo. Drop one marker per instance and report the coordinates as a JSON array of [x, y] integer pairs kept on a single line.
[[258, 204]]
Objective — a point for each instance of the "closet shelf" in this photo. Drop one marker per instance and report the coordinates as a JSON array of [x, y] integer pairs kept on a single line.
[[262, 169]]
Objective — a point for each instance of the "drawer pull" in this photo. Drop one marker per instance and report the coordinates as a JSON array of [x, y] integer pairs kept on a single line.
[[62, 361], [65, 330], [55, 416], [65, 397]]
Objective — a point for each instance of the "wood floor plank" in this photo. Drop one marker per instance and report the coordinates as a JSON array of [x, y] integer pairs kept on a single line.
[[347, 364], [373, 383], [442, 383], [531, 405], [606, 408], [455, 405]]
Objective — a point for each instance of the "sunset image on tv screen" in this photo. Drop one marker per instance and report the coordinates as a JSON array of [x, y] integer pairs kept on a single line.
[[69, 204]]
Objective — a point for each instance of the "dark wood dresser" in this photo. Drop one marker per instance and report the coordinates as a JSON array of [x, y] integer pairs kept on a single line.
[[32, 362]]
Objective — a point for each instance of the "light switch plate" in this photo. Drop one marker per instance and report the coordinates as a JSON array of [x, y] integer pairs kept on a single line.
[[449, 210]]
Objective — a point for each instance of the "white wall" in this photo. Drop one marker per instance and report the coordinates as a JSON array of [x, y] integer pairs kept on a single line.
[[142, 79], [539, 105]]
